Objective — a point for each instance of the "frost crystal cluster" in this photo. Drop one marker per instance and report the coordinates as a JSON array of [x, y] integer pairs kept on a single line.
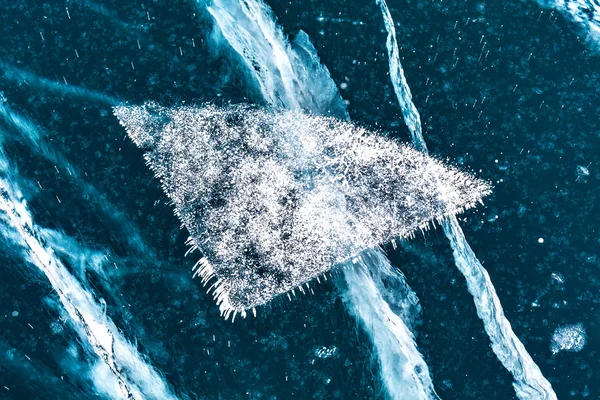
[[568, 338], [275, 199]]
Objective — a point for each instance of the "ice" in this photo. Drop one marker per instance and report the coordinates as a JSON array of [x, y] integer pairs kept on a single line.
[[568, 338], [275, 199], [63, 87], [326, 352], [584, 15], [409, 110], [529, 381], [404, 371], [583, 173], [36, 138], [394, 383], [558, 278], [134, 377], [282, 71]]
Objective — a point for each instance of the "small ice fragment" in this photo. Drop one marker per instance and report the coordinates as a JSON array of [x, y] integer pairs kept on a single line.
[[568, 338], [558, 277], [582, 171], [15, 313], [541, 240], [325, 352]]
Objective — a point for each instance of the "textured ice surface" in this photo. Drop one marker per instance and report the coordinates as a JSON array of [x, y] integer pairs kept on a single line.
[[287, 74], [568, 338], [382, 309], [529, 381], [122, 372], [274, 199], [404, 372]]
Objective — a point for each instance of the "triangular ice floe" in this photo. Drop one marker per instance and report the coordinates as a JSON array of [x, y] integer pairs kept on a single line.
[[274, 199]]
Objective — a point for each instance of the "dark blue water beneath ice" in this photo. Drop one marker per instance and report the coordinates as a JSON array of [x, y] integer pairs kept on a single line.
[[505, 89]]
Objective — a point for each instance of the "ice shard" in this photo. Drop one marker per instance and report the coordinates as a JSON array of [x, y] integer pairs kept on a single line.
[[274, 199]]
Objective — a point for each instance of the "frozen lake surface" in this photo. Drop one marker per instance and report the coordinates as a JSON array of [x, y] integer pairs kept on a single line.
[[99, 300]]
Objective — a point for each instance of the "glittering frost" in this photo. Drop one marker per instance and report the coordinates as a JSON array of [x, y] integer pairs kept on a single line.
[[274, 199], [568, 338]]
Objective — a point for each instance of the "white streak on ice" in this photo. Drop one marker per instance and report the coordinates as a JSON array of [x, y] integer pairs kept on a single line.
[[254, 49], [37, 139], [404, 372], [283, 71], [568, 338], [529, 381], [136, 379], [61, 87], [409, 110], [268, 59], [584, 14]]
